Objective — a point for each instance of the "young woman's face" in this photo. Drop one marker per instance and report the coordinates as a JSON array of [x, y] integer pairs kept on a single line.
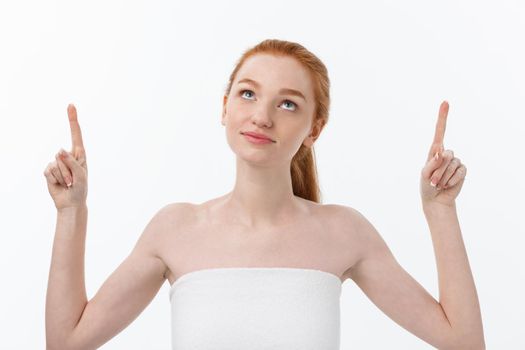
[[273, 96]]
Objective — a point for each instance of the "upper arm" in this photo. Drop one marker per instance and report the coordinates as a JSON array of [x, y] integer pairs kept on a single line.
[[126, 292], [396, 293]]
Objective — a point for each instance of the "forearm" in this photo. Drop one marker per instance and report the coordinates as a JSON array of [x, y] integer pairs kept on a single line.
[[457, 291], [66, 291]]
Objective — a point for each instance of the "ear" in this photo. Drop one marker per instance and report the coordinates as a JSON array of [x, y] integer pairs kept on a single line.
[[315, 131], [224, 101]]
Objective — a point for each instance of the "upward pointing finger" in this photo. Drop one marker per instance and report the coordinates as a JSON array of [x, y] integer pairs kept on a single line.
[[439, 134], [76, 135]]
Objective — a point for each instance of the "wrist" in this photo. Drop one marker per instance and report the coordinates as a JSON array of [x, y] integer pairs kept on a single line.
[[73, 210], [435, 208]]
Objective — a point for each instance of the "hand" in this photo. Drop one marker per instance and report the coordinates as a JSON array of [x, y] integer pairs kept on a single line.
[[447, 171], [70, 168]]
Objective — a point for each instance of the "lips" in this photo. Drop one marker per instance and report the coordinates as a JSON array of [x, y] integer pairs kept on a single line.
[[257, 135]]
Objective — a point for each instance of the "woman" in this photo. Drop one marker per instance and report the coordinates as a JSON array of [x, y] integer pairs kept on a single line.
[[262, 266]]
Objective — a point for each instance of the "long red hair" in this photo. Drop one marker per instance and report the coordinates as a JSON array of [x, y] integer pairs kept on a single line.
[[303, 167]]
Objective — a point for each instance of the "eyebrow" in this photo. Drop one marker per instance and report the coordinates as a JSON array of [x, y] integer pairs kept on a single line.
[[285, 91]]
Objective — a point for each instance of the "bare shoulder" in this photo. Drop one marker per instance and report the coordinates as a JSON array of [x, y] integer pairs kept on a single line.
[[365, 235], [164, 217], [351, 219], [343, 216], [161, 226], [175, 212], [356, 231]]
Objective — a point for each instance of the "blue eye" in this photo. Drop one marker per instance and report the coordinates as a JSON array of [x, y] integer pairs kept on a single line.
[[295, 106], [287, 101], [242, 91]]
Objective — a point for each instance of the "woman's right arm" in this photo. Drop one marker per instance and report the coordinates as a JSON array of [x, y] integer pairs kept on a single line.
[[66, 290], [67, 184], [73, 322]]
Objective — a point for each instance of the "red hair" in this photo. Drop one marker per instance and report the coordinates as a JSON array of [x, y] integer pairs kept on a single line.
[[302, 168]]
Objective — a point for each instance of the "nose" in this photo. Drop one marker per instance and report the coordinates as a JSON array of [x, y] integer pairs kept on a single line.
[[262, 117]]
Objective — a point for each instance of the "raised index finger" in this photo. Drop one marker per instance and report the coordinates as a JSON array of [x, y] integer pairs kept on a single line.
[[439, 134], [76, 134]]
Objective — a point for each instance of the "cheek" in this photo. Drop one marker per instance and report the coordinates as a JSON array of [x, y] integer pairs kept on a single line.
[[241, 109], [235, 109], [233, 128], [238, 117], [291, 142]]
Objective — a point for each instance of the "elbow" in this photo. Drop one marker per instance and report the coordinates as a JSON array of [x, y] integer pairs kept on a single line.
[[477, 346], [57, 345], [54, 342], [62, 344], [471, 339], [464, 345], [467, 347]]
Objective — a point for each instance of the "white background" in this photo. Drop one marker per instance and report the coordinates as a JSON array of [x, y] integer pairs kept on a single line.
[[147, 78]]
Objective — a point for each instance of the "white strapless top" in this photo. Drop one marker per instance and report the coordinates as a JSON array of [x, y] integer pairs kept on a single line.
[[255, 308]]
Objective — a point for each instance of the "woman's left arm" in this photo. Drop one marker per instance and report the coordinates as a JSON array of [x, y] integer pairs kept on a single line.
[[457, 291], [441, 181], [453, 322]]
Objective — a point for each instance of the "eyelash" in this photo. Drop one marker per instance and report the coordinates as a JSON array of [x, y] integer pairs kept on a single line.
[[295, 104]]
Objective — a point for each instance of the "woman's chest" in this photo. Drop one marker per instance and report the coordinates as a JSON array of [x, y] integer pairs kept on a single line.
[[315, 242]]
